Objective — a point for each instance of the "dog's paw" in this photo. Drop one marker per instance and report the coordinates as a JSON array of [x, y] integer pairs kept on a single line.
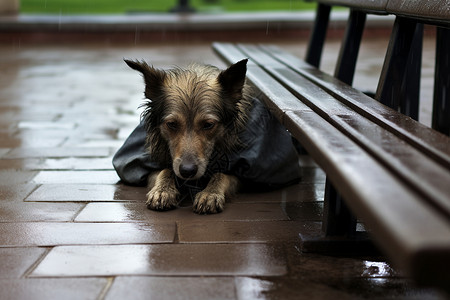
[[209, 203], [162, 198]]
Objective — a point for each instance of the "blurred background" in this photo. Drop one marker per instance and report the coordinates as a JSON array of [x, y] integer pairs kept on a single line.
[[133, 6]]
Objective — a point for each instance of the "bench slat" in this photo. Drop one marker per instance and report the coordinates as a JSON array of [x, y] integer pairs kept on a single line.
[[430, 11], [431, 142], [393, 152]]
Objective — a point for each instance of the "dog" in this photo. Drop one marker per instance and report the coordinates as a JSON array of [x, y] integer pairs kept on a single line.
[[189, 114]]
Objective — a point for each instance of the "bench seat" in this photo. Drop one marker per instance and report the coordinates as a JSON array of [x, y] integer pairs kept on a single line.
[[392, 172]]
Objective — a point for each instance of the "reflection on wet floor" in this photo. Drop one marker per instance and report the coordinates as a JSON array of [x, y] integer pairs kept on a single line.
[[69, 229]]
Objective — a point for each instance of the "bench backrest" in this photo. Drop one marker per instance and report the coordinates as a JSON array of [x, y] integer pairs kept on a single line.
[[433, 12], [399, 82]]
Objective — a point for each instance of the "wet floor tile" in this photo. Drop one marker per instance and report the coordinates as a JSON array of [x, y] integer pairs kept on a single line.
[[14, 141], [57, 163], [174, 288], [240, 232], [21, 164], [73, 177], [382, 288], [312, 175], [305, 192], [4, 150], [57, 152], [312, 211], [40, 125], [14, 262], [286, 288], [41, 138], [50, 234], [15, 177], [315, 266], [87, 193], [45, 289], [306, 161], [78, 164], [15, 192], [137, 211], [301, 192], [164, 259], [112, 144], [19, 211]]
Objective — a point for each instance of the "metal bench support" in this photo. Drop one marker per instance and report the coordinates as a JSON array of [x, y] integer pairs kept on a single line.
[[441, 103], [400, 77], [346, 63], [319, 32]]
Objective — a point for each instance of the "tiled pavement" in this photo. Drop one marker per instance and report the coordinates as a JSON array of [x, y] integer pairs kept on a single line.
[[70, 230]]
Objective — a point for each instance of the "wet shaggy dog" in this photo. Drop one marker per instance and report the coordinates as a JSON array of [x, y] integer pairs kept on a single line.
[[191, 113]]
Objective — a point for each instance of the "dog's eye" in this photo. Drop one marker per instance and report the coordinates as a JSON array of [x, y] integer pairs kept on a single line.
[[172, 125], [208, 125]]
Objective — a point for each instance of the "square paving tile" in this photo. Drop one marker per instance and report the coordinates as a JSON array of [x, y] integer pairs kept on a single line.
[[91, 177], [51, 234], [14, 262], [164, 259], [173, 288], [45, 289], [137, 211], [87, 193]]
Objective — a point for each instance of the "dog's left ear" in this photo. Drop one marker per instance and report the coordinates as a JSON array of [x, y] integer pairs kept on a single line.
[[232, 79]]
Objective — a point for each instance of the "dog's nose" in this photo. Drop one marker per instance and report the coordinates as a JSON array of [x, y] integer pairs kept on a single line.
[[188, 170]]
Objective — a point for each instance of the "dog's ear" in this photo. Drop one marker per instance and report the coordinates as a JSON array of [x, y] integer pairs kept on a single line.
[[232, 79], [154, 78]]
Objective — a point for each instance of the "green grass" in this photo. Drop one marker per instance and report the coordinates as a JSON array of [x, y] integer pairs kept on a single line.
[[124, 6]]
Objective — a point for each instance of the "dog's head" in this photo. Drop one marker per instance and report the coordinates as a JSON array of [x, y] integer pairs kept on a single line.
[[190, 112]]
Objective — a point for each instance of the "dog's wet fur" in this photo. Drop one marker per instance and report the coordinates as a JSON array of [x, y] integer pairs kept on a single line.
[[189, 114]]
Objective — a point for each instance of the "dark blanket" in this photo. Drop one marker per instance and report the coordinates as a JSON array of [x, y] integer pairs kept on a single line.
[[268, 159]]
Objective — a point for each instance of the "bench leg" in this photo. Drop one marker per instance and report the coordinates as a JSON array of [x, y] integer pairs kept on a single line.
[[339, 235], [319, 32], [405, 48], [337, 217], [441, 102], [346, 63], [409, 105]]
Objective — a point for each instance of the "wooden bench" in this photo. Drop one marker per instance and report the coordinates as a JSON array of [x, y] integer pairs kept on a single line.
[[382, 166]]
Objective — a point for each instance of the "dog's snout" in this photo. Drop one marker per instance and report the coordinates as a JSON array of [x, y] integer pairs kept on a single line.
[[188, 170]]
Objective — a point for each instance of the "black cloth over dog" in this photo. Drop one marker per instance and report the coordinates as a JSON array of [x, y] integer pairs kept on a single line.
[[267, 159]]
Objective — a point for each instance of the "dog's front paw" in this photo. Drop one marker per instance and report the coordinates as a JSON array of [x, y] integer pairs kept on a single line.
[[209, 203], [162, 198]]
